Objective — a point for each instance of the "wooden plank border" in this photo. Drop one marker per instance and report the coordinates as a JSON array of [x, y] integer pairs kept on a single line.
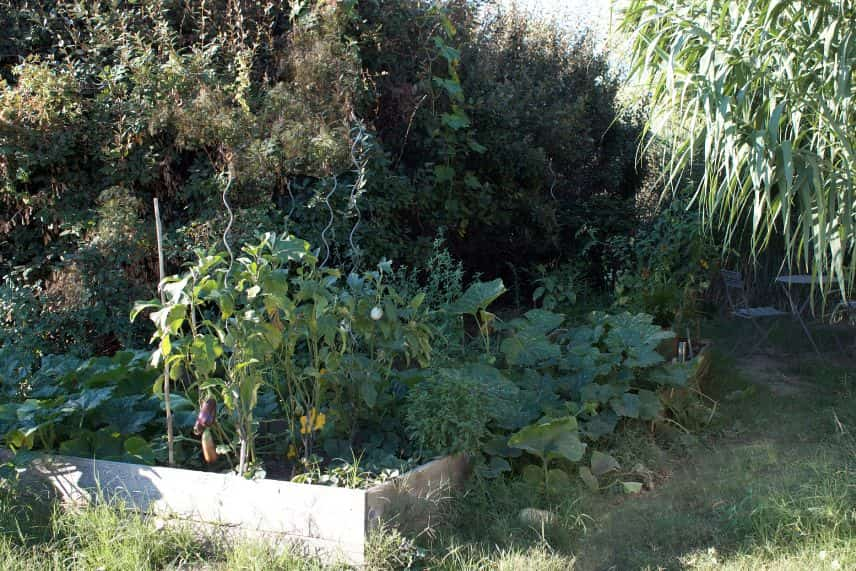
[[328, 522]]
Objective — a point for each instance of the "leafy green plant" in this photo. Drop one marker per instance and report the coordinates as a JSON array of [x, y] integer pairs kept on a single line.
[[555, 290], [616, 369], [218, 320], [529, 343], [474, 302], [440, 278], [102, 407], [673, 259], [450, 410], [596, 374], [549, 440], [274, 318]]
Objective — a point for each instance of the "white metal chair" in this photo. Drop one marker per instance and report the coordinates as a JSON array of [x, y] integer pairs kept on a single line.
[[735, 293]]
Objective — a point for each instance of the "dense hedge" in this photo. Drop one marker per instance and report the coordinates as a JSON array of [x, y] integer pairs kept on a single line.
[[403, 116]]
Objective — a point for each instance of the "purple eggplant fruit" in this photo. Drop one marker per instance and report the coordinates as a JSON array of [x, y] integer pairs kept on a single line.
[[206, 417]]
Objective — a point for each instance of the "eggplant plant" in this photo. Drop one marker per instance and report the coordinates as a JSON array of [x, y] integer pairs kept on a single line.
[[275, 318], [222, 323]]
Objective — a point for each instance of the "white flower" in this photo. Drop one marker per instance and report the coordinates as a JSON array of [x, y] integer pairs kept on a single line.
[[377, 313]]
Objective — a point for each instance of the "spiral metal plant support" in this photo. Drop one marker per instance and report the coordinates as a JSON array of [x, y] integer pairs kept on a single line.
[[242, 459], [326, 229], [293, 204], [228, 224], [359, 149], [553, 178]]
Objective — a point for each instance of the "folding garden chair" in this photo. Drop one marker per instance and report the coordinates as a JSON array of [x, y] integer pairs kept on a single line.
[[735, 293]]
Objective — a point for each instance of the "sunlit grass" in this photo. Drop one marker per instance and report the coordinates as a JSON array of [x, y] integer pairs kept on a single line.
[[112, 536]]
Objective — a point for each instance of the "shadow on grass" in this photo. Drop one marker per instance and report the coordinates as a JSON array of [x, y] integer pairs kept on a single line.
[[770, 482]]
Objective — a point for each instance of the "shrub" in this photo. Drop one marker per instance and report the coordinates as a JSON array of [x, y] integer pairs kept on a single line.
[[448, 413]]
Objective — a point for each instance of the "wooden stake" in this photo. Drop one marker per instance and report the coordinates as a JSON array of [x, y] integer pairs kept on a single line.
[[170, 439]]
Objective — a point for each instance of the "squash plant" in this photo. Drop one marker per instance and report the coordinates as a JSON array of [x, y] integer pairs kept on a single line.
[[474, 302], [575, 384], [103, 407], [551, 439]]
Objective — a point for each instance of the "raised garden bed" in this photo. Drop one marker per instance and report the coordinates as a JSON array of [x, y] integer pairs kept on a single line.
[[328, 522]]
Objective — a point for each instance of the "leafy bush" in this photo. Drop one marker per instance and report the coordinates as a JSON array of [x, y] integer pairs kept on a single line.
[[365, 126], [671, 267], [448, 413], [537, 133]]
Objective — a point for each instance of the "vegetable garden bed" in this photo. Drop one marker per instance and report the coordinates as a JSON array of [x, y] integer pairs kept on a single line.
[[328, 522]]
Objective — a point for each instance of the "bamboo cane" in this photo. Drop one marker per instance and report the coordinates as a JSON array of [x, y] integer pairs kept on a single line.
[[170, 439]]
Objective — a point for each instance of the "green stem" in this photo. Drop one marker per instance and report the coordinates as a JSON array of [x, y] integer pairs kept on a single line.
[[546, 476]]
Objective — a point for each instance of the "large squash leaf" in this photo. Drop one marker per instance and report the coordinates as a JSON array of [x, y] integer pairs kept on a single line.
[[551, 439], [529, 345], [477, 297]]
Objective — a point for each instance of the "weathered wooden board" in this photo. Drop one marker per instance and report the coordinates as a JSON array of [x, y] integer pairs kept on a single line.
[[417, 497], [325, 521], [329, 522]]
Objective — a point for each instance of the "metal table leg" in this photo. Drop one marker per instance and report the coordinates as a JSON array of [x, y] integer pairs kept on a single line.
[[796, 311]]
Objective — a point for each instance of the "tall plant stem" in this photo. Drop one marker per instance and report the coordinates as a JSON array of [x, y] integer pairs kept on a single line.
[[242, 459], [170, 438]]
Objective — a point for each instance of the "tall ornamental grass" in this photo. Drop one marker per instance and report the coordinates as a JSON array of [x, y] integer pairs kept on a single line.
[[760, 91]]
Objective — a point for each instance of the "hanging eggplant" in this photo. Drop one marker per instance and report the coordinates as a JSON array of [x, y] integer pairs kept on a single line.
[[209, 449], [206, 417]]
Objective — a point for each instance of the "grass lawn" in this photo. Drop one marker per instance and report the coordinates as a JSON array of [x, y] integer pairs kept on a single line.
[[769, 483]]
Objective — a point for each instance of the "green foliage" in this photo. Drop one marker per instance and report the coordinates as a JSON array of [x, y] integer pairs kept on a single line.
[[370, 127], [440, 278], [273, 317], [576, 385], [673, 261], [615, 370], [529, 344], [501, 155], [366, 127], [759, 92], [106, 108], [474, 302], [551, 440], [478, 297], [100, 407], [556, 289], [448, 412]]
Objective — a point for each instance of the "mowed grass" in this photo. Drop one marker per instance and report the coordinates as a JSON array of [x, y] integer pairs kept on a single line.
[[769, 483]]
